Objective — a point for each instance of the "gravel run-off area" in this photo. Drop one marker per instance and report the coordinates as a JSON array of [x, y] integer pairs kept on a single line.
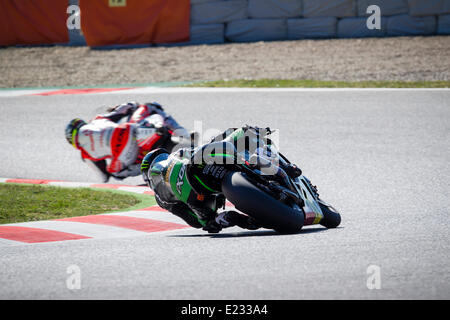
[[399, 58]]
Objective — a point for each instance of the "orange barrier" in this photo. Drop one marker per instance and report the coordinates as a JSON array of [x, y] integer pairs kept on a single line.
[[33, 22], [118, 22]]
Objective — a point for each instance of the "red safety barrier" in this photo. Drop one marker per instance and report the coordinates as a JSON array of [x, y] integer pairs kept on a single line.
[[33, 22], [125, 22]]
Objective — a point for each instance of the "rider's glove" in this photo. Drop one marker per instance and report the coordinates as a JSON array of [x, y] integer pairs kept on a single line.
[[292, 170], [162, 131], [154, 106]]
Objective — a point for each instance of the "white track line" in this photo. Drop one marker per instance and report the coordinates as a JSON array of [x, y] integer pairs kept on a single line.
[[6, 242], [19, 92], [69, 184], [97, 231], [176, 90], [153, 215], [134, 189]]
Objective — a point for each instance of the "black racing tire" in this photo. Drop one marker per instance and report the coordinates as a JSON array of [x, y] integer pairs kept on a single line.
[[331, 218], [249, 199]]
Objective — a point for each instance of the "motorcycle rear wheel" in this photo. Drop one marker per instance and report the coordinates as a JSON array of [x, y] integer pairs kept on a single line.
[[249, 199]]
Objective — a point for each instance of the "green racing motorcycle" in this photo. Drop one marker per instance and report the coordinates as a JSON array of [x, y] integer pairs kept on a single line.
[[271, 197]]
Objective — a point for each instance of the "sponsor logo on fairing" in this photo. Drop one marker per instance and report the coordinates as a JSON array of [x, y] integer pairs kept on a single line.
[[180, 178]]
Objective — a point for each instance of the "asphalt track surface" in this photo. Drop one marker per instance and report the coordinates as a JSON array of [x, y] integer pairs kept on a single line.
[[380, 156]]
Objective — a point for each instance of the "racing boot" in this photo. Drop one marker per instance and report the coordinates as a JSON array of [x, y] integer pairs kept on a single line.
[[232, 218]]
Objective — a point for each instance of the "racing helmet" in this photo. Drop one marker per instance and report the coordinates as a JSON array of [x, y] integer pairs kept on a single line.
[[153, 169], [72, 130]]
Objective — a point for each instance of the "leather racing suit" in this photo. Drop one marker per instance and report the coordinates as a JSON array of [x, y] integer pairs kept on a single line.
[[115, 143]]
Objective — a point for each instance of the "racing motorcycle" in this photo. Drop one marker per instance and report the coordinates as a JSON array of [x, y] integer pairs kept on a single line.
[[272, 198], [154, 131]]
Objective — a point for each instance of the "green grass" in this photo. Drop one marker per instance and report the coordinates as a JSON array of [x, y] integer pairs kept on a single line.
[[281, 83], [23, 202]]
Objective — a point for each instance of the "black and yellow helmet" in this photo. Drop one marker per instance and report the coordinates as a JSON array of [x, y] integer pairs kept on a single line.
[[72, 130], [152, 171]]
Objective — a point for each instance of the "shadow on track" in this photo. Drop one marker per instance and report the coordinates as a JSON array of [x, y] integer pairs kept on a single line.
[[256, 233]]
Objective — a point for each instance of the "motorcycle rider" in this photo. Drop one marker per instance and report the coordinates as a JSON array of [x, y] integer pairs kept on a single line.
[[172, 178], [115, 143]]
